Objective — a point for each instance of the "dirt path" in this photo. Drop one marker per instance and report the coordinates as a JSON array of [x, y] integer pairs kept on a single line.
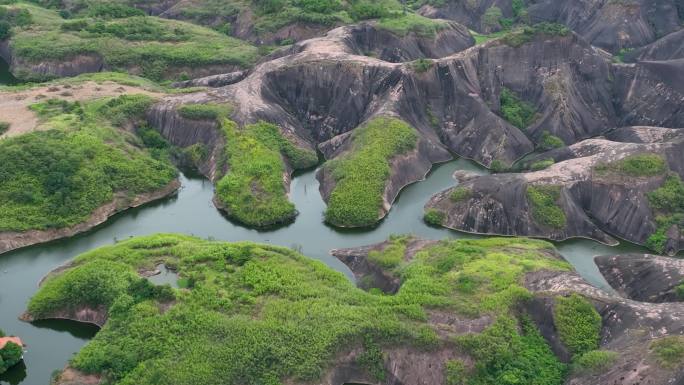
[[14, 105]]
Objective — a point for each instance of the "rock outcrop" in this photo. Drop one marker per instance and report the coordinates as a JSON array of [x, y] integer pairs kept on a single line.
[[668, 47], [322, 88], [643, 277], [628, 326], [612, 25], [596, 205]]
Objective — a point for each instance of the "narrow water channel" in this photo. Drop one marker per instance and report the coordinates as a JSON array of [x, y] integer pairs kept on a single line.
[[52, 343]]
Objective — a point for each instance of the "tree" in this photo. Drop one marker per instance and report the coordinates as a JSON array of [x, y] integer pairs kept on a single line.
[[5, 30], [490, 19], [10, 355]]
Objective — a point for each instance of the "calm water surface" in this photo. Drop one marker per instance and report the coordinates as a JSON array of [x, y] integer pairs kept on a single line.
[[52, 343]]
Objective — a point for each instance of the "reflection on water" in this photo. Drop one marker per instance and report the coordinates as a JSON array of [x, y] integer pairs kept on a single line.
[[52, 343]]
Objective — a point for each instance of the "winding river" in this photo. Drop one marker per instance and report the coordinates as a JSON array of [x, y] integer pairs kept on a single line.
[[52, 343]]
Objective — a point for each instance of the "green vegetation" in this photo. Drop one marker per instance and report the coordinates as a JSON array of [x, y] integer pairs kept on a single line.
[[679, 291], [422, 65], [268, 315], [620, 56], [361, 173], [542, 164], [460, 194], [498, 166], [154, 46], [669, 351], [544, 206], [483, 38], [667, 202], [549, 142], [516, 111], [506, 355], [4, 127], [434, 217], [12, 17], [208, 111], [253, 190], [594, 361], [520, 36], [456, 373], [10, 355], [640, 165], [392, 255], [578, 324], [491, 17], [411, 23], [56, 178]]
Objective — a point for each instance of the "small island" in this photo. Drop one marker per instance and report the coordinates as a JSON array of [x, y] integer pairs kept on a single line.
[[11, 351]]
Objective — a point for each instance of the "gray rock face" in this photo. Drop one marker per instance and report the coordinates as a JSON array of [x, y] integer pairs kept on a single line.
[[629, 328], [612, 25], [651, 93], [321, 89], [608, 24], [666, 48], [213, 80], [366, 39], [595, 205], [469, 12], [643, 277]]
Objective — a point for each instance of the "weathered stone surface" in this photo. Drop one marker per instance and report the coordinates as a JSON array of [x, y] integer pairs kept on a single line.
[[596, 205], [643, 277]]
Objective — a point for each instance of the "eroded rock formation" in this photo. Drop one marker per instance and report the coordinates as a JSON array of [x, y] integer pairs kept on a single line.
[[628, 326], [597, 205]]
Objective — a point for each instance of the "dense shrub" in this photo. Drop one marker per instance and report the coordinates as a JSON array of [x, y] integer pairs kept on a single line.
[[505, 356], [549, 142], [4, 127], [422, 65], [361, 174], [111, 10], [150, 44], [541, 164], [10, 355], [391, 255], [411, 23], [578, 324], [639, 165], [526, 34], [667, 202], [544, 206], [516, 111], [594, 361], [669, 351], [208, 111], [491, 17], [434, 217], [267, 315], [253, 190], [56, 178], [459, 194]]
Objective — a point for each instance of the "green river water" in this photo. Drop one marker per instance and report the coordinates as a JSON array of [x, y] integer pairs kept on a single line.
[[52, 343]]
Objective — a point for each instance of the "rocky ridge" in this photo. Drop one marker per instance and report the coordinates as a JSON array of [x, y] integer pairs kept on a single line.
[[628, 325], [596, 205]]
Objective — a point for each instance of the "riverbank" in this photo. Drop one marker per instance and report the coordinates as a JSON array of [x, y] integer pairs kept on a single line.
[[12, 240]]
